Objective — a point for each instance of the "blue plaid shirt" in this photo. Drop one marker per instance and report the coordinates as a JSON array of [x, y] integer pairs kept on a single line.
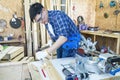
[[62, 25]]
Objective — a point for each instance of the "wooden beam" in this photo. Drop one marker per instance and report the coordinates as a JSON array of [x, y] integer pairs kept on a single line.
[[28, 27]]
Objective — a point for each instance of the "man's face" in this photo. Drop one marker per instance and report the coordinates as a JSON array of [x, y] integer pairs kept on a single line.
[[42, 17], [38, 18]]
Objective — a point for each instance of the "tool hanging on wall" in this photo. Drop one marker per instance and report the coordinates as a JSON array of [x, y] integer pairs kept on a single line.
[[101, 5], [3, 25], [1, 38], [112, 3], [106, 15], [116, 12], [15, 22], [80, 19], [74, 11]]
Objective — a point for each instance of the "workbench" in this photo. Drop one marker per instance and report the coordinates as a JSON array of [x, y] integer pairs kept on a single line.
[[56, 64], [52, 71], [111, 40], [14, 71]]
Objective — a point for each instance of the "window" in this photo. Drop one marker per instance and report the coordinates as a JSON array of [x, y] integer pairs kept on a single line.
[[54, 4], [63, 5], [59, 5]]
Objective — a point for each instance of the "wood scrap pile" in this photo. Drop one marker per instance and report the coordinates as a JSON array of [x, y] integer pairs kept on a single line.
[[12, 53]]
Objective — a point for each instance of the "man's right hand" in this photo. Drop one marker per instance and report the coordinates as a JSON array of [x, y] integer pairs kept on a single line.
[[41, 55]]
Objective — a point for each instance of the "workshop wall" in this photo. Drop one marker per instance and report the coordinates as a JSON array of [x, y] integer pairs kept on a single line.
[[85, 8], [105, 17], [7, 9]]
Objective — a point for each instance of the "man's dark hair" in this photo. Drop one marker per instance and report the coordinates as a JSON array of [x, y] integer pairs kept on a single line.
[[35, 9]]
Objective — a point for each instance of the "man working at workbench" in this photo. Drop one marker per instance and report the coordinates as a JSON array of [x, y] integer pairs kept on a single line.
[[61, 29]]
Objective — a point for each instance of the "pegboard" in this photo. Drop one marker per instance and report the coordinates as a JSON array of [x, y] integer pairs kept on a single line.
[[112, 22], [7, 9]]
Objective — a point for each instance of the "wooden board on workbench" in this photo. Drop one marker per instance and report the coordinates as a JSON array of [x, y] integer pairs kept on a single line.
[[50, 72], [28, 59]]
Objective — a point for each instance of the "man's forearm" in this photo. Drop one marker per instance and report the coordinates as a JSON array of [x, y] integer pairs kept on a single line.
[[61, 40]]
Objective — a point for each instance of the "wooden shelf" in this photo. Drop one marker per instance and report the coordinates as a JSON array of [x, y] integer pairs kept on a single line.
[[112, 40], [12, 41], [100, 33]]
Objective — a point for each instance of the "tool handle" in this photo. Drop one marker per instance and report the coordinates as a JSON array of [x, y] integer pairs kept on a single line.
[[66, 72], [115, 71]]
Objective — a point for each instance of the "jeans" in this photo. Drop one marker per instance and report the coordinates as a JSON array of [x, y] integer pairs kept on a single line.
[[62, 53]]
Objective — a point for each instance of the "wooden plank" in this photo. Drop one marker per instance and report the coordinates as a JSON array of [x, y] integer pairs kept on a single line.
[[30, 59], [28, 27], [35, 38], [118, 46], [24, 59], [47, 36], [39, 35], [16, 50], [43, 34], [35, 33], [34, 72], [53, 74], [3, 61], [32, 36], [25, 75], [100, 33], [4, 52], [50, 72], [18, 57], [69, 7]]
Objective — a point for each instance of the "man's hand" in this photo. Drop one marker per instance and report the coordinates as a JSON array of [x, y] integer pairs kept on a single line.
[[50, 42], [42, 55]]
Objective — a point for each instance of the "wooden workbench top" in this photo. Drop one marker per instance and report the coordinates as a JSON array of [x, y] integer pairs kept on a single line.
[[56, 70]]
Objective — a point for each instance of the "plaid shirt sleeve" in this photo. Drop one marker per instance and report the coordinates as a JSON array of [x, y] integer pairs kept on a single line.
[[62, 25]]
